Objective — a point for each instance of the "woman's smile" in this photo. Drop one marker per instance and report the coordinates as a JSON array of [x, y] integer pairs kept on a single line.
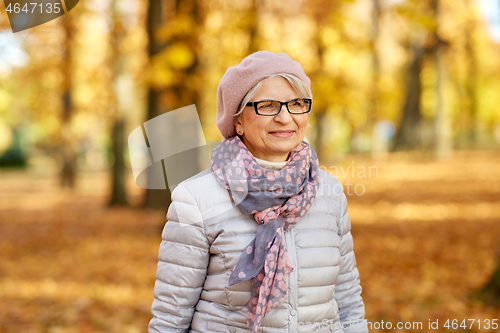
[[282, 133]]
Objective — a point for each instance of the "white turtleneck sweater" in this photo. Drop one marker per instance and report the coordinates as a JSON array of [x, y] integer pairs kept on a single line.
[[270, 165]]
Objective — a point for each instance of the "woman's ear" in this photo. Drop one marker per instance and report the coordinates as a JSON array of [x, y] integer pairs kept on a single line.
[[238, 125]]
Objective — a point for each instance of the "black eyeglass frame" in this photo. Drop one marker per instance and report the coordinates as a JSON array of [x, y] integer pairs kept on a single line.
[[254, 104]]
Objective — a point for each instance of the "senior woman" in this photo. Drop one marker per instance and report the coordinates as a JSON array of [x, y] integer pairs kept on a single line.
[[260, 241]]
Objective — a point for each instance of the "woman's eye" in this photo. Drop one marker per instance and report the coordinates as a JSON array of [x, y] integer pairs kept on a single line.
[[265, 105], [299, 103]]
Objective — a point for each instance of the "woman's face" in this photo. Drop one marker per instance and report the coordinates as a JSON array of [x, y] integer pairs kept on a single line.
[[271, 138]]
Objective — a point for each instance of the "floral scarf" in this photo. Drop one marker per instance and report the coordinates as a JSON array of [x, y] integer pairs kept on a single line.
[[277, 199]]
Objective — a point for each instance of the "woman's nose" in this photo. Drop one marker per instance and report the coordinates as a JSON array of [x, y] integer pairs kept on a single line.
[[284, 116]]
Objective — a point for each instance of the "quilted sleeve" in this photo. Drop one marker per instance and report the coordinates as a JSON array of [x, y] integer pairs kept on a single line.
[[348, 288], [182, 265]]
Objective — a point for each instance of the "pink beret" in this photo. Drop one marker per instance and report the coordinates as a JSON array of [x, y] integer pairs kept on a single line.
[[239, 79]]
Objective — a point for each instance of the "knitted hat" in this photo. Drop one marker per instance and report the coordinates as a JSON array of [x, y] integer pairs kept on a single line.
[[239, 79]]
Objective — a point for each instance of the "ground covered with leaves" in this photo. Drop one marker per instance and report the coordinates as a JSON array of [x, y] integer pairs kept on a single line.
[[426, 235]]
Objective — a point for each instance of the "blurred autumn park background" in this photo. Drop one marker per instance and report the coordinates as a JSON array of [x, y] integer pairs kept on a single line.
[[406, 89]]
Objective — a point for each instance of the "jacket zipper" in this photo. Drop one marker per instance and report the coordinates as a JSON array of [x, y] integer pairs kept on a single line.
[[293, 283]]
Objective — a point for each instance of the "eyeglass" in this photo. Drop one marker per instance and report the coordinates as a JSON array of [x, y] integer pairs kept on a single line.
[[272, 108]]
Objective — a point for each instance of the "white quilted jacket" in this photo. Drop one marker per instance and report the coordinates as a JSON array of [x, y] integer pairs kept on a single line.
[[203, 239]]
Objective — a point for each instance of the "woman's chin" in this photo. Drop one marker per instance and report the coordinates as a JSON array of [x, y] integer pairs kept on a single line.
[[282, 151], [290, 142]]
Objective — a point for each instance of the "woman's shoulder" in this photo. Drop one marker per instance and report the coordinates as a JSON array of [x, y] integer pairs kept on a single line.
[[201, 188], [200, 182], [329, 186]]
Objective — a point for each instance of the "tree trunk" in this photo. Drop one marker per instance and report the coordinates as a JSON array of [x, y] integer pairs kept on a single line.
[[373, 112], [322, 17], [117, 62], [408, 135], [118, 193], [68, 155], [470, 86], [253, 27], [155, 198], [380, 142], [320, 112], [443, 145], [184, 91], [320, 134]]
